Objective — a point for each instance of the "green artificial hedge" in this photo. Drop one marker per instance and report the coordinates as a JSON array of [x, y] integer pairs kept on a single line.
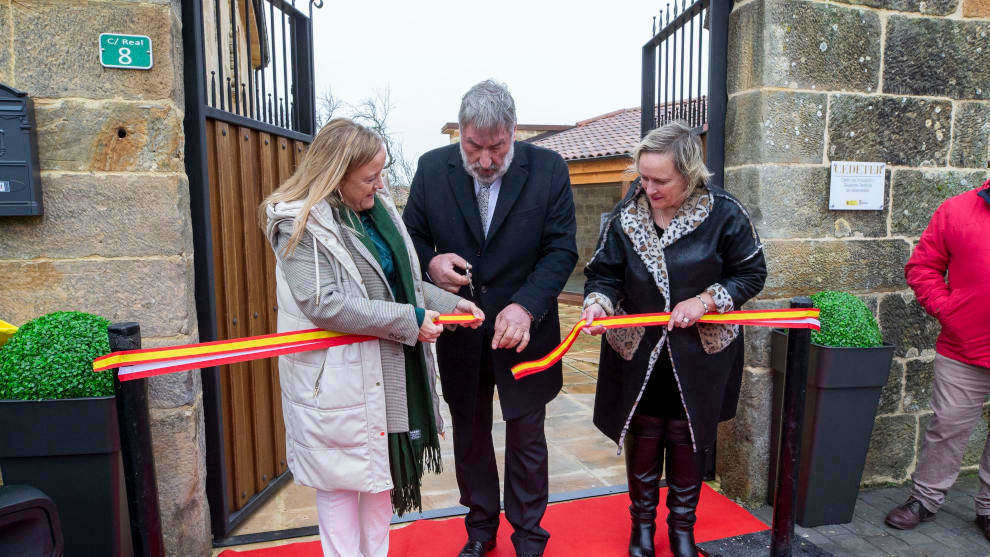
[[845, 320], [52, 356]]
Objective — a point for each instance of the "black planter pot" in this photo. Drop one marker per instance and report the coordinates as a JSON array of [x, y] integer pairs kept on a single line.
[[844, 387], [70, 450]]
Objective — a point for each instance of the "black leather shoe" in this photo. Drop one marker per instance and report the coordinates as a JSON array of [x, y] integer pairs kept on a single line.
[[477, 548], [909, 515], [983, 522]]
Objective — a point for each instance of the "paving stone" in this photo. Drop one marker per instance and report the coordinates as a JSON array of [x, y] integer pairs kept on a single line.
[[865, 528], [923, 550], [886, 543], [912, 537], [944, 536], [854, 546]]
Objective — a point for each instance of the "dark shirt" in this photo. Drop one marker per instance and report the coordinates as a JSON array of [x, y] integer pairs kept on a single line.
[[662, 397]]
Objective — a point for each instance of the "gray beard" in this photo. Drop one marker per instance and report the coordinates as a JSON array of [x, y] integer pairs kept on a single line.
[[472, 169]]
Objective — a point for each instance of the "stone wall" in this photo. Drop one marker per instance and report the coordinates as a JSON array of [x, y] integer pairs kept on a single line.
[[904, 82], [115, 238], [590, 201]]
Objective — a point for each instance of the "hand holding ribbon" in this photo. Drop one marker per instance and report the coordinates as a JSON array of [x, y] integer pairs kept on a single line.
[[784, 318]]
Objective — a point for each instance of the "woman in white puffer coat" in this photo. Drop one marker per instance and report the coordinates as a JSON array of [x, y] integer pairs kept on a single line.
[[362, 420]]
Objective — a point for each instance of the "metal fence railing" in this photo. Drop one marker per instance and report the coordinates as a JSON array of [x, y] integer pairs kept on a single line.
[[258, 61], [684, 66]]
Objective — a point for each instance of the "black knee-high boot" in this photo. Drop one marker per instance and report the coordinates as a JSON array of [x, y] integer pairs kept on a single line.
[[683, 487], [644, 456]]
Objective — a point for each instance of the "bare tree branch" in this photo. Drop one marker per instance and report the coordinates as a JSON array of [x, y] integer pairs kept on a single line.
[[373, 112], [327, 107]]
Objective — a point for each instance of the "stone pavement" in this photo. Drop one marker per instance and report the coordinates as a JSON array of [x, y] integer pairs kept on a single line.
[[953, 532]]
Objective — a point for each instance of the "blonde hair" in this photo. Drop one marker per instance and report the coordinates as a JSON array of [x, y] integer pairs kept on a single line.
[[340, 146], [679, 141]]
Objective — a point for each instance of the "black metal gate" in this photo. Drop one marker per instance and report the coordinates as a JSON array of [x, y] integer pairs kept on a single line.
[[684, 73], [249, 97]]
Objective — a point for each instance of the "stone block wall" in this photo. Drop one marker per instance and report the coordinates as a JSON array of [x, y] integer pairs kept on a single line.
[[116, 238], [590, 201], [904, 82]]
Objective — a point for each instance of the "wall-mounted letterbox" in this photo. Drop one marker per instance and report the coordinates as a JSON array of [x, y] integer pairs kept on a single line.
[[20, 180]]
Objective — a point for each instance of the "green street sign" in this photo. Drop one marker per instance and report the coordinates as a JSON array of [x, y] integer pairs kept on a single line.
[[132, 52]]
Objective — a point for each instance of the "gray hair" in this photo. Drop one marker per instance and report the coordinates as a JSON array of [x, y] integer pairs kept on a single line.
[[488, 106], [677, 139]]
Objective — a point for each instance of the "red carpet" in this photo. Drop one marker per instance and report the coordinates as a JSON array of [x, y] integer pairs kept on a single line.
[[598, 527]]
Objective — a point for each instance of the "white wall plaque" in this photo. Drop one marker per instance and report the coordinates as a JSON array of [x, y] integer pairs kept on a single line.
[[856, 186]]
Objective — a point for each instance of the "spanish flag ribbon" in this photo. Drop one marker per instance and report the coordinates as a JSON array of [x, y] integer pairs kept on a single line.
[[135, 364], [784, 318]]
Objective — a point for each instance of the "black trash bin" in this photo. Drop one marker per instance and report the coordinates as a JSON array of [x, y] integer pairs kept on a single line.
[[844, 387]]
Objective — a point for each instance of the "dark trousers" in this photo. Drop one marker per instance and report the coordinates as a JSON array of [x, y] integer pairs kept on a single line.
[[526, 470]]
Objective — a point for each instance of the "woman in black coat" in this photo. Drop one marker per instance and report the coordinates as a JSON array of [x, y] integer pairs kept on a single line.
[[675, 243]]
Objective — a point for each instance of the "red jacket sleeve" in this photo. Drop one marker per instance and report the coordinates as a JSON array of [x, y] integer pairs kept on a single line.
[[925, 271]]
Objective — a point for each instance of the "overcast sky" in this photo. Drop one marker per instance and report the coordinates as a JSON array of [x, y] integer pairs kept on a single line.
[[563, 61]]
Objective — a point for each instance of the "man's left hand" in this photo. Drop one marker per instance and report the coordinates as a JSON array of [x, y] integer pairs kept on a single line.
[[512, 328]]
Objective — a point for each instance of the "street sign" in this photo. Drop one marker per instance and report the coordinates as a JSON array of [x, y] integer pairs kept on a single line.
[[131, 52]]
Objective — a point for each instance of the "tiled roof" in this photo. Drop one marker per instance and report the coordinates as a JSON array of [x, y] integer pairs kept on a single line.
[[610, 135]]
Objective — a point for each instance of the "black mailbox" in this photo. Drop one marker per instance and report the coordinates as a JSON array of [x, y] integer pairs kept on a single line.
[[20, 179]]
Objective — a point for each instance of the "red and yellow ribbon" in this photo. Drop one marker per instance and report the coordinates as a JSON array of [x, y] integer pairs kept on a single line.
[[135, 364], [784, 318]]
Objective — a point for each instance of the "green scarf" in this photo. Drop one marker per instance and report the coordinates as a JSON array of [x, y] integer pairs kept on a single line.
[[418, 449]]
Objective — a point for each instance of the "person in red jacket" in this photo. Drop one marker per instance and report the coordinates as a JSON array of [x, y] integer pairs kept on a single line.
[[948, 272]]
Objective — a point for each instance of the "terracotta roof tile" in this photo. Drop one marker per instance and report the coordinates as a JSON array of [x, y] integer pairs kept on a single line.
[[608, 135]]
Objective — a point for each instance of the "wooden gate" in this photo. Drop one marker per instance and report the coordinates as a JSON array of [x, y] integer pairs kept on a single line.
[[245, 165], [249, 117]]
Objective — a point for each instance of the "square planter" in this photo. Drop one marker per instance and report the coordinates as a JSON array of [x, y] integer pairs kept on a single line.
[[843, 392], [70, 450]]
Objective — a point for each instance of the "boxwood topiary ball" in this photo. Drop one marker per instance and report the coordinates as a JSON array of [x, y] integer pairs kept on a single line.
[[52, 356], [845, 320]]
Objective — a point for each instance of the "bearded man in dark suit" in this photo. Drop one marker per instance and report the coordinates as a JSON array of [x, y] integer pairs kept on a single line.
[[493, 220]]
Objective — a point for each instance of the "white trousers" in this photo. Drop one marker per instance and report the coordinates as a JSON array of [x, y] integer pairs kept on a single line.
[[354, 524]]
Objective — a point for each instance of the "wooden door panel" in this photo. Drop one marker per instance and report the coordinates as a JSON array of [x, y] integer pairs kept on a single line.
[[245, 165]]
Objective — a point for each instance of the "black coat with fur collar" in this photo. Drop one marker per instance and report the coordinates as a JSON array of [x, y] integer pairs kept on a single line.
[[710, 244]]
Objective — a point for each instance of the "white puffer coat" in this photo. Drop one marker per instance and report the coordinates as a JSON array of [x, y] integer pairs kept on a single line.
[[334, 401]]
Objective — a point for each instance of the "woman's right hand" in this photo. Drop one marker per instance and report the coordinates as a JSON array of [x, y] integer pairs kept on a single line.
[[590, 313], [429, 330]]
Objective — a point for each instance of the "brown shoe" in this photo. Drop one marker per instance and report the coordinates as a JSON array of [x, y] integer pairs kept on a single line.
[[909, 515], [983, 521]]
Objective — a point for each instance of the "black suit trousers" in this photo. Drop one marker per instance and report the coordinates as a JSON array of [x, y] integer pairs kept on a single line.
[[526, 468]]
